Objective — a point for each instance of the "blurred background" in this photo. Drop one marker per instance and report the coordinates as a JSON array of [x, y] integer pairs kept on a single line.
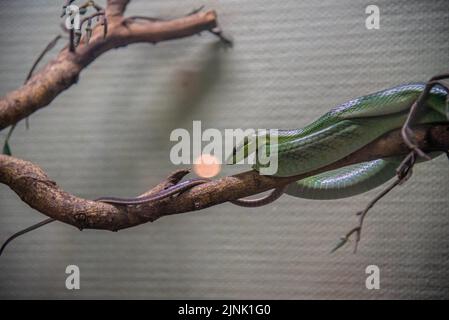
[[292, 61]]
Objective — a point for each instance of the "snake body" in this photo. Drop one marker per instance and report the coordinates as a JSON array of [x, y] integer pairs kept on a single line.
[[342, 131], [168, 192]]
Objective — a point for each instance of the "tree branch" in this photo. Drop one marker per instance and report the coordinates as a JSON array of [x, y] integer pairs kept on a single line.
[[37, 190], [63, 71], [116, 7]]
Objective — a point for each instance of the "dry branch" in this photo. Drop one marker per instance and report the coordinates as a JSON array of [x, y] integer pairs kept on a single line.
[[63, 71], [37, 190]]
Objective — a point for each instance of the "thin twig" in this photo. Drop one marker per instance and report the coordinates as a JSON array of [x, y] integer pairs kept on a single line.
[[405, 169], [105, 26], [6, 148], [33, 227], [66, 4], [93, 15], [92, 4], [49, 46], [401, 178], [418, 105], [72, 40], [171, 180], [224, 39]]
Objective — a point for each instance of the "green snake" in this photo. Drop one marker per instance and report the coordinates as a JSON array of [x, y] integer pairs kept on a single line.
[[341, 131]]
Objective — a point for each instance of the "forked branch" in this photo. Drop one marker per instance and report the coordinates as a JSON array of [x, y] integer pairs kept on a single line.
[[36, 189], [63, 71]]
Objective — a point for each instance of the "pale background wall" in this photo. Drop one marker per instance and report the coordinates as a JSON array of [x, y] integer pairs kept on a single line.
[[292, 61]]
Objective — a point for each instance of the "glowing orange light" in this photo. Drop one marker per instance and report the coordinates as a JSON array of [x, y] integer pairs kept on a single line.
[[207, 166]]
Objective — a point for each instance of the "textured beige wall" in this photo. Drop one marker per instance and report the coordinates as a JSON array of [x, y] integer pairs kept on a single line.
[[292, 61]]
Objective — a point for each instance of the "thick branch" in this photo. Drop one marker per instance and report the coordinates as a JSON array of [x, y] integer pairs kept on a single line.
[[63, 71], [37, 190]]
